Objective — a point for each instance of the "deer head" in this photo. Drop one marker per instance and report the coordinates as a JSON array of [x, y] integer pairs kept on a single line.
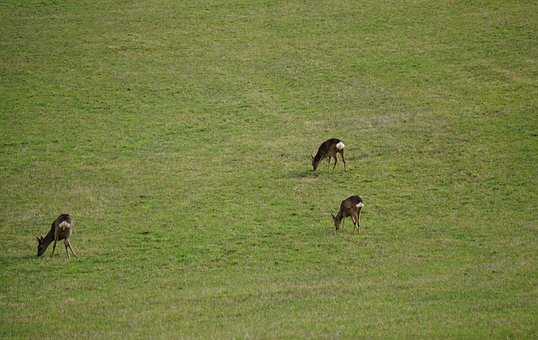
[[41, 246], [314, 163], [336, 221]]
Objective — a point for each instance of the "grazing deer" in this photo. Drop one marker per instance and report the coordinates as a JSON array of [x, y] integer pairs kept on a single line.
[[61, 229], [329, 148], [351, 206]]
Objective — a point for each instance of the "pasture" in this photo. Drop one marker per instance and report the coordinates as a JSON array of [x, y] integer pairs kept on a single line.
[[179, 134]]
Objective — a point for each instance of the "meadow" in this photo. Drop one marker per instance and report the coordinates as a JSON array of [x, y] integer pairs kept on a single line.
[[178, 134]]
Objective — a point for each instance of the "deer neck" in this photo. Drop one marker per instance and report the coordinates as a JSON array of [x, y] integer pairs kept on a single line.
[[48, 238], [340, 214], [318, 157]]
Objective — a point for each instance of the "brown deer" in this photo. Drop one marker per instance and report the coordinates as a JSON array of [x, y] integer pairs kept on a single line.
[[351, 206], [61, 229], [329, 148]]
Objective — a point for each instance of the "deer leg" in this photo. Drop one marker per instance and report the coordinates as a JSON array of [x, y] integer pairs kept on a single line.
[[71, 248], [66, 251], [355, 222], [55, 240], [335, 161], [53, 248], [343, 159]]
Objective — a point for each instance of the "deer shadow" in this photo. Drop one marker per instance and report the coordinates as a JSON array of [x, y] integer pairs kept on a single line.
[[301, 174]]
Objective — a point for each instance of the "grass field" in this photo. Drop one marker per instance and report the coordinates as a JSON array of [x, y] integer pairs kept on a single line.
[[179, 134]]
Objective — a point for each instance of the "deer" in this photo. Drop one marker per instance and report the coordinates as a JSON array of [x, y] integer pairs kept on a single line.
[[351, 206], [61, 229], [329, 149]]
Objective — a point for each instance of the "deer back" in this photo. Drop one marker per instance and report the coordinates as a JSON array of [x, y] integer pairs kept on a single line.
[[64, 225], [351, 205]]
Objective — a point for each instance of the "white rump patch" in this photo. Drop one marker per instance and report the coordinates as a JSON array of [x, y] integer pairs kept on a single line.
[[64, 225], [360, 205], [340, 146]]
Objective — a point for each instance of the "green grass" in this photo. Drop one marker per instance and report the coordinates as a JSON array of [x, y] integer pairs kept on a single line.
[[179, 136]]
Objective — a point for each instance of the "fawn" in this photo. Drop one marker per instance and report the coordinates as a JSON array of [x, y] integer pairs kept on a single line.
[[329, 148], [351, 206], [61, 229]]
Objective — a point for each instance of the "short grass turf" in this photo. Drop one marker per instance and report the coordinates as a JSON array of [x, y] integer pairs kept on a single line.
[[179, 134]]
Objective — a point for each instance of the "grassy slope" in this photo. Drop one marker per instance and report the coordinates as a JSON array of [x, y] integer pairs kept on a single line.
[[179, 136]]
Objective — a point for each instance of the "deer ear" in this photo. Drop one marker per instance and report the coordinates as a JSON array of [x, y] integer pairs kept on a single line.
[[312, 156]]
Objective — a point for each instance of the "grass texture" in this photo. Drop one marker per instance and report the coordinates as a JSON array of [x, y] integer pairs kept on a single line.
[[178, 134]]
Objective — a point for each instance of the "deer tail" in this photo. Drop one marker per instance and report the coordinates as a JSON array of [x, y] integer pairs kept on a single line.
[[340, 146]]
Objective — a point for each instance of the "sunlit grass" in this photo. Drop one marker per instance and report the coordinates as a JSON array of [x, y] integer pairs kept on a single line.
[[179, 136]]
